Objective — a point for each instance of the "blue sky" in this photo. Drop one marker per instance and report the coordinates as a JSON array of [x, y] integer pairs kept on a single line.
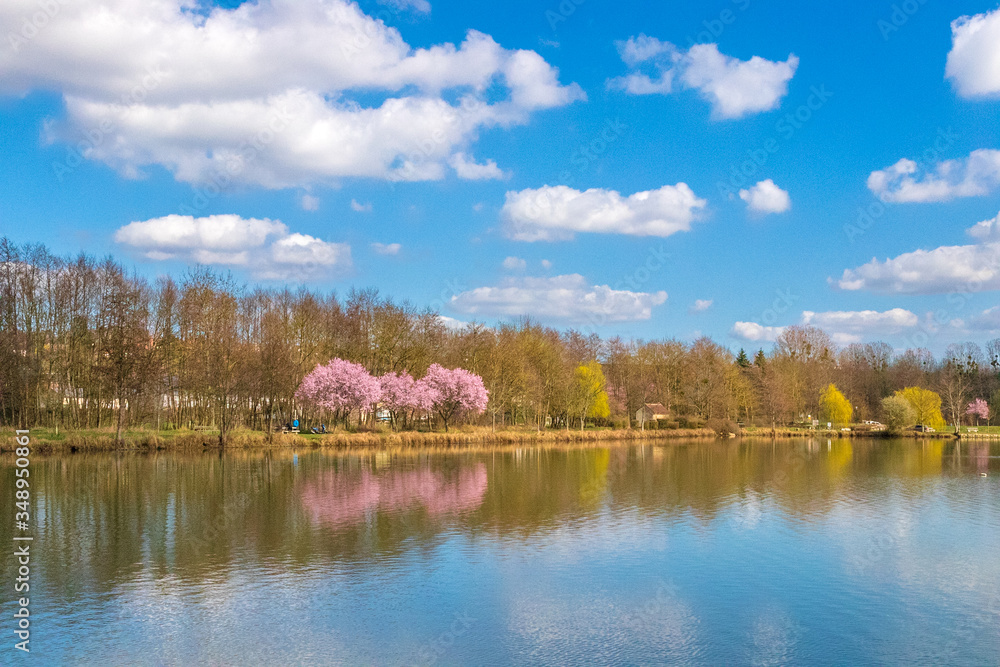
[[542, 165]]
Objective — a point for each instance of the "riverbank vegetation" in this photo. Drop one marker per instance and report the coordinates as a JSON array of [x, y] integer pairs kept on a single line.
[[88, 346]]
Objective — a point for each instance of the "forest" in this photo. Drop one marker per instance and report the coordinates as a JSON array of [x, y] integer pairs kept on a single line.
[[88, 343]]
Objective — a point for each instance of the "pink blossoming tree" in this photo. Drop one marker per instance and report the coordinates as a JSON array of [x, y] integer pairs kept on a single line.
[[979, 409], [454, 392], [340, 386], [401, 394]]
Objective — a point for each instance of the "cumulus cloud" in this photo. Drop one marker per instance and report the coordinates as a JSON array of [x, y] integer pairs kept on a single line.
[[358, 207], [556, 213], [387, 248], [451, 323], [974, 60], [515, 264], [700, 306], [309, 203], [266, 248], [751, 331], [766, 197], [963, 268], [275, 93], [986, 321], [733, 87], [847, 327], [844, 327], [907, 181], [568, 298], [468, 169]]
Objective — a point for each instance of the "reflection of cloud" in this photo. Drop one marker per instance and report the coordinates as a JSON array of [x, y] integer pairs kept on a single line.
[[773, 637], [339, 499], [560, 629]]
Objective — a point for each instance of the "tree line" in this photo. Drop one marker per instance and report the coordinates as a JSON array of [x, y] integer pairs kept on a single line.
[[88, 343]]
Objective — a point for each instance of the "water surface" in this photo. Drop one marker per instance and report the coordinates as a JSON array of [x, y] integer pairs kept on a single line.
[[755, 553]]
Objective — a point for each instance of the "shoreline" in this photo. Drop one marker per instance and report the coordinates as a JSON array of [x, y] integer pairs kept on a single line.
[[45, 441], [71, 442]]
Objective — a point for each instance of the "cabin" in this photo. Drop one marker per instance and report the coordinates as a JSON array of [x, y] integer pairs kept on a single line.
[[649, 412]]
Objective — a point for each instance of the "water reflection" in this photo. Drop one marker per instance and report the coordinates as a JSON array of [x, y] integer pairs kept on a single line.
[[341, 498], [722, 552]]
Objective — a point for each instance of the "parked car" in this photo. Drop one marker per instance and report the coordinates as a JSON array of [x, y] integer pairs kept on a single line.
[[922, 428]]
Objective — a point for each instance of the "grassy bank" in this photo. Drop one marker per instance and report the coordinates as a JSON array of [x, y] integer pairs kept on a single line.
[[47, 440]]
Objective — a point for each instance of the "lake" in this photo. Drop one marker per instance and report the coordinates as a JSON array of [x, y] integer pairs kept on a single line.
[[703, 553]]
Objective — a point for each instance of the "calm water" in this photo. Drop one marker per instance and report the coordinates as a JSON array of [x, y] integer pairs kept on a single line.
[[702, 553]]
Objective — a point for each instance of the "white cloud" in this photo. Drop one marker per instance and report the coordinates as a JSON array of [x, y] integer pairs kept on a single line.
[[700, 306], [755, 332], [264, 247], [844, 327], [387, 248], [358, 207], [987, 320], [421, 6], [974, 60], [766, 197], [960, 268], [546, 264], [469, 170], [568, 298], [733, 87], [451, 323], [309, 203], [847, 327], [268, 93], [906, 181], [556, 213], [515, 264]]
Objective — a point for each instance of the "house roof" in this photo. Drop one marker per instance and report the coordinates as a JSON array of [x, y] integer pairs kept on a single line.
[[656, 408]]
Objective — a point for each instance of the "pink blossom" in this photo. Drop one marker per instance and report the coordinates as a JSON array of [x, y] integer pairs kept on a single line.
[[979, 408], [340, 385], [401, 392], [454, 392]]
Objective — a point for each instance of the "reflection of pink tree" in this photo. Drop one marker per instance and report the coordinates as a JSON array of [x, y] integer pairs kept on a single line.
[[454, 392], [402, 394], [339, 498], [979, 409], [340, 386]]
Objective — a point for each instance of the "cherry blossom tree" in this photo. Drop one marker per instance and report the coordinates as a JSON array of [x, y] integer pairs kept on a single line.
[[402, 394], [454, 392], [340, 386], [979, 409]]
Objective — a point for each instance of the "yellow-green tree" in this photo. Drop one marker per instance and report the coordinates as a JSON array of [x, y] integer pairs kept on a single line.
[[589, 396], [834, 406], [926, 405]]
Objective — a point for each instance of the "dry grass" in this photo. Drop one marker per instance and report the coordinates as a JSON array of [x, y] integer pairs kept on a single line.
[[471, 437]]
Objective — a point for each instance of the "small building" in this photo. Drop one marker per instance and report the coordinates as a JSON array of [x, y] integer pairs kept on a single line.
[[649, 412]]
